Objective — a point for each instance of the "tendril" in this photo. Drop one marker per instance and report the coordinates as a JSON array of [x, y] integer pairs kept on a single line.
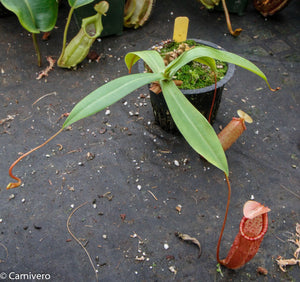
[[214, 98], [19, 182], [225, 219]]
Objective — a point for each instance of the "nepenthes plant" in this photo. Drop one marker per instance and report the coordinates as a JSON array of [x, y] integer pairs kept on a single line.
[[194, 127], [79, 47]]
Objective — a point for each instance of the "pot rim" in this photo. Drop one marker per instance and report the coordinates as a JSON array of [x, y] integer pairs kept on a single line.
[[220, 83]]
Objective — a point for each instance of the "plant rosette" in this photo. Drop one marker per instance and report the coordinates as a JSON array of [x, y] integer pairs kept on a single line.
[[206, 99], [193, 126]]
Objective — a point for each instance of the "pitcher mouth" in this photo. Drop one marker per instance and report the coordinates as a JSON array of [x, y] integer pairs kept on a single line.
[[262, 231]]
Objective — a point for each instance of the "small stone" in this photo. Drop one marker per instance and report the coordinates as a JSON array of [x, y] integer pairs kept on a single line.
[[23, 200], [107, 112], [173, 269], [102, 130], [179, 208], [166, 246], [176, 163], [141, 258], [90, 156], [262, 270], [11, 196]]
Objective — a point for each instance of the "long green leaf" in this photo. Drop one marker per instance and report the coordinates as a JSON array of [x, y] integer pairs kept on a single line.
[[78, 3], [150, 57], [194, 127], [34, 15], [221, 55], [108, 94]]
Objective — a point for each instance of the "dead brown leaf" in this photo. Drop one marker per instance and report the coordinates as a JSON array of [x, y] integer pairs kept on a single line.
[[283, 263], [188, 238], [45, 72], [8, 118]]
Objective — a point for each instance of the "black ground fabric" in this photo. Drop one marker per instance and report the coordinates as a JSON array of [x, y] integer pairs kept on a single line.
[[124, 185]]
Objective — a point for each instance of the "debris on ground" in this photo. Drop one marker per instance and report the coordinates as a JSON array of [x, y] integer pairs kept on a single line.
[[283, 263], [45, 72], [188, 238], [261, 270], [8, 118], [173, 269]]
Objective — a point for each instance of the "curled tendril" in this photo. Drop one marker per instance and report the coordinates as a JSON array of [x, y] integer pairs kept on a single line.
[[19, 182]]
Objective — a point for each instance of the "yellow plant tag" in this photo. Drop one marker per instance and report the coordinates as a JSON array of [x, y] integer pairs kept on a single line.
[[181, 26]]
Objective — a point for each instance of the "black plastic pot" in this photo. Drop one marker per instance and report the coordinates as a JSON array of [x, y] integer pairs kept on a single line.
[[234, 6], [201, 98]]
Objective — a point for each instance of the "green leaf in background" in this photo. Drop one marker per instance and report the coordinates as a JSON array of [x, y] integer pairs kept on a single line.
[[34, 15], [78, 3], [108, 94], [194, 127], [209, 4]]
